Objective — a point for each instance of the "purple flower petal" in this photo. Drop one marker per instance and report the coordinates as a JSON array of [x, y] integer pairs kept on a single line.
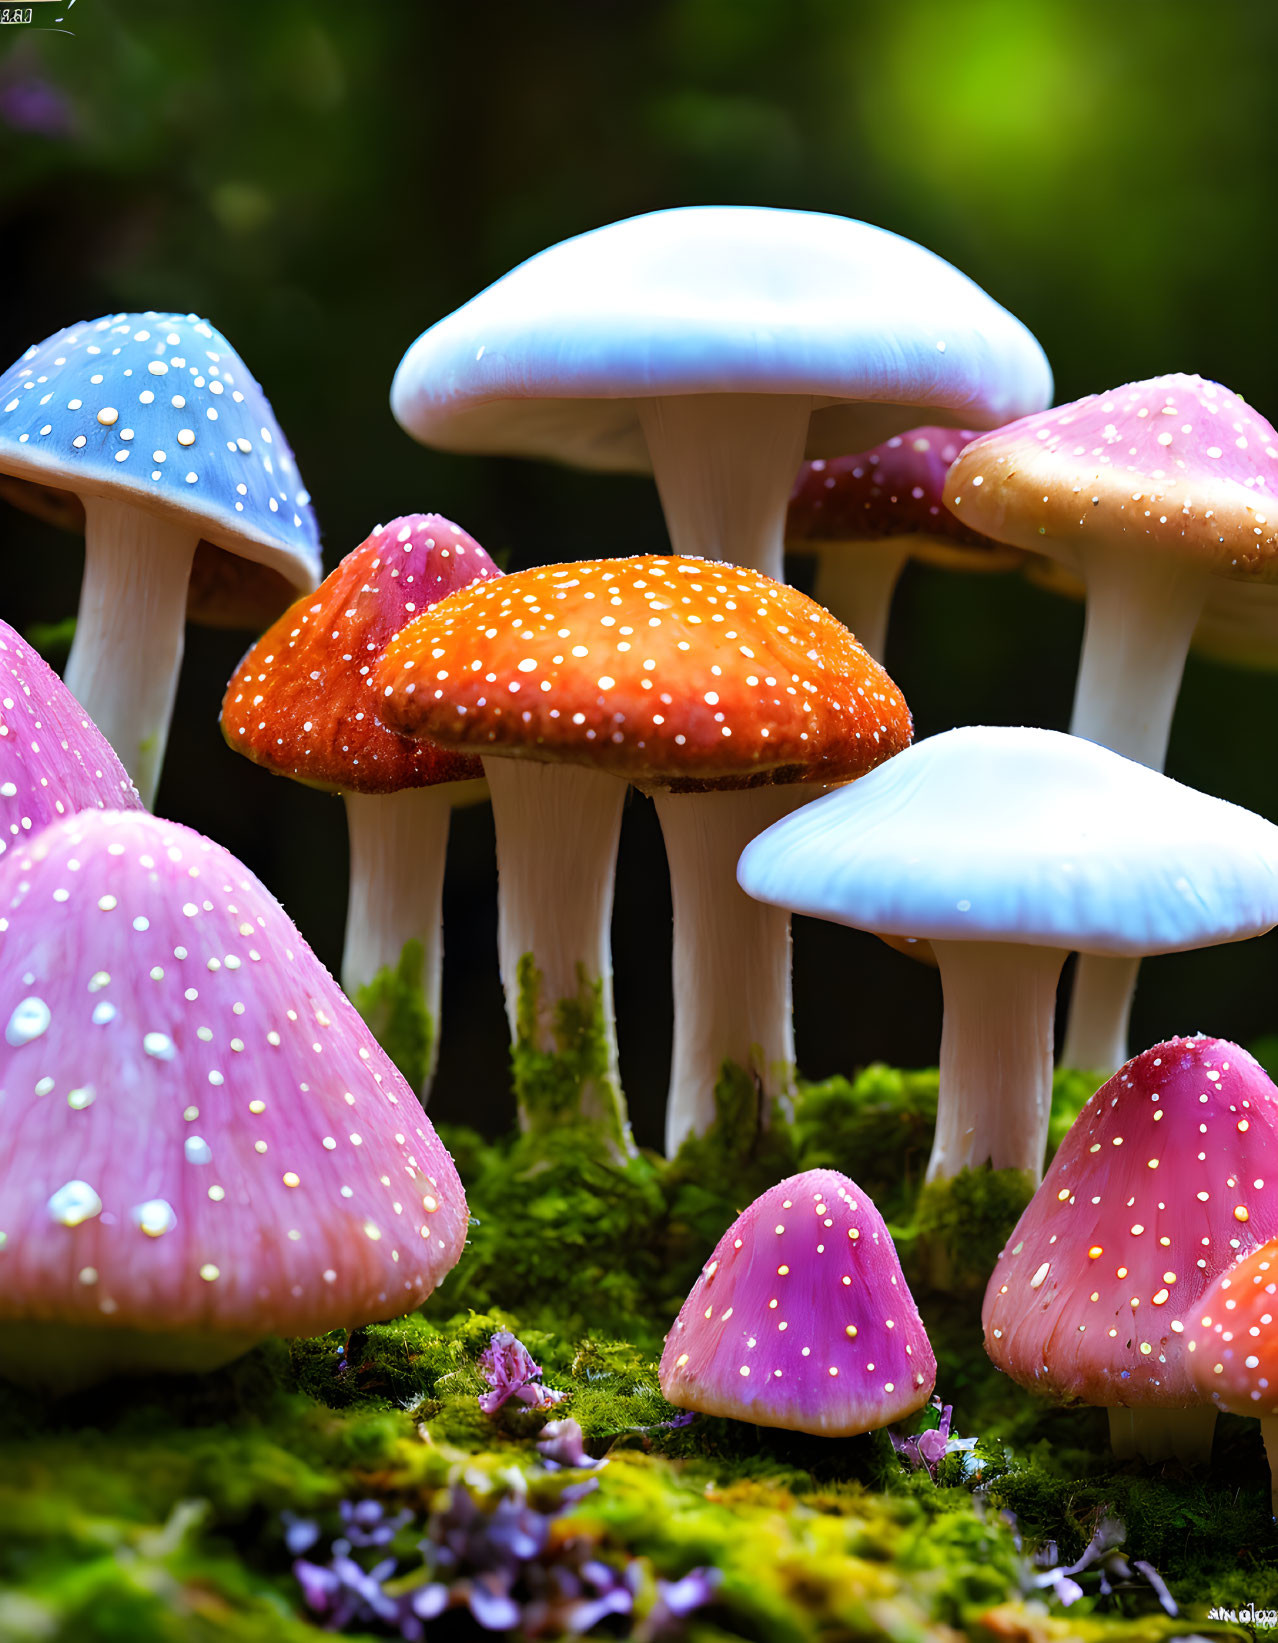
[[491, 1605]]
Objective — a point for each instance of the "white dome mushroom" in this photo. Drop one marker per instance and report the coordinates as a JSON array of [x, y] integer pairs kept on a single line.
[[715, 347], [1008, 848]]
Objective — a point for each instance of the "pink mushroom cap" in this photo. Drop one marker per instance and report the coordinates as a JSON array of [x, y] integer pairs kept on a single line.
[[53, 758], [802, 1318], [893, 490], [1167, 1173], [204, 1143], [1172, 465]]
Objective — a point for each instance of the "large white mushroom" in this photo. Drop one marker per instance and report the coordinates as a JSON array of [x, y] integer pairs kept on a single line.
[[1007, 849], [714, 347]]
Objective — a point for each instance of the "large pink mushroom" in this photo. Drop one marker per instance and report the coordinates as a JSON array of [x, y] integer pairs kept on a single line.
[[1156, 1188], [53, 758], [802, 1318], [204, 1145]]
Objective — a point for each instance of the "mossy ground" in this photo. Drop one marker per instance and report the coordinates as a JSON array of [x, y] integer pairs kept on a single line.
[[394, 1006], [150, 1512]]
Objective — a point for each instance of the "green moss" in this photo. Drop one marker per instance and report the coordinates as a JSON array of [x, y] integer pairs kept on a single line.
[[393, 1004], [574, 1083], [563, 1234], [877, 1128], [962, 1223], [712, 1177], [1071, 1091]]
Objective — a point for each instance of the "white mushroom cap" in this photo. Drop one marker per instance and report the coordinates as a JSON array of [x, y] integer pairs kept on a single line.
[[1025, 836], [881, 334]]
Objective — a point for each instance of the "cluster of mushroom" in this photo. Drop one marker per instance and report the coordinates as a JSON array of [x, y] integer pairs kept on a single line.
[[1141, 1277], [717, 348]]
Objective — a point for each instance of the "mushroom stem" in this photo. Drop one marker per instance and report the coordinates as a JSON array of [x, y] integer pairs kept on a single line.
[[995, 1093], [1141, 615], [1269, 1432], [725, 466], [1147, 1432], [732, 996], [398, 842], [1100, 1008], [131, 627], [557, 832], [855, 581]]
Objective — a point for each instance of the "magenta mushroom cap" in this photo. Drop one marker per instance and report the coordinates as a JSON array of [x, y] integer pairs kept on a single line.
[[53, 758], [802, 1318], [1165, 1176], [895, 489], [203, 1138]]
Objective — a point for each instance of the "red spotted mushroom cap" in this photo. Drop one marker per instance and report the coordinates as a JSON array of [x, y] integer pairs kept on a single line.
[[667, 671], [1232, 1336], [893, 490], [802, 1318], [53, 758], [203, 1139], [1166, 1174], [301, 702], [1175, 464]]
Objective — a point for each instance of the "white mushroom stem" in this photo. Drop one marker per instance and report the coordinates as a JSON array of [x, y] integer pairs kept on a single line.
[[1141, 613], [725, 465], [855, 581], [995, 1096], [398, 842], [1269, 1432], [1100, 1008], [732, 991], [1148, 1433], [557, 829], [130, 630]]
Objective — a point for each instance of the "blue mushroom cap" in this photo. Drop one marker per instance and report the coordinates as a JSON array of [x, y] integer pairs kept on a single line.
[[159, 409]]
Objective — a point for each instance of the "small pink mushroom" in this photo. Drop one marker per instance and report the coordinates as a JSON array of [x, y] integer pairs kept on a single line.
[[802, 1318], [1165, 1176], [204, 1143]]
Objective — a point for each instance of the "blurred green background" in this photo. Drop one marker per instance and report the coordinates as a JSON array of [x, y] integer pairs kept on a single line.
[[324, 179]]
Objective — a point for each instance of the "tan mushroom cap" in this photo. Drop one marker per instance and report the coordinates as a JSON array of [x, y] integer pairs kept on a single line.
[[1172, 464]]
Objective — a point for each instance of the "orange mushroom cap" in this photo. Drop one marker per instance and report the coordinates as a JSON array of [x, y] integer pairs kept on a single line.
[[301, 702], [668, 671], [1233, 1335]]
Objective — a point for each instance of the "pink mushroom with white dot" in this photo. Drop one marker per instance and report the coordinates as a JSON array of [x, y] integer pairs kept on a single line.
[[802, 1318], [204, 1143], [1166, 1175], [53, 758]]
